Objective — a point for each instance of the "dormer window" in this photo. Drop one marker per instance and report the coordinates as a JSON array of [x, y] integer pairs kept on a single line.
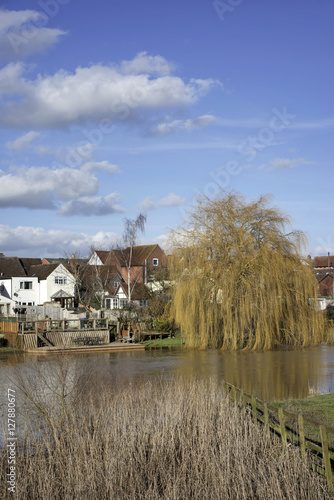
[[155, 262]]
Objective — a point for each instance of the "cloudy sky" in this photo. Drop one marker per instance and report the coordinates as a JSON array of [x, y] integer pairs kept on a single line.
[[110, 108]]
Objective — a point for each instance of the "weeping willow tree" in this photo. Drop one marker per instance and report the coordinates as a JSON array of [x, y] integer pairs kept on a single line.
[[239, 279]]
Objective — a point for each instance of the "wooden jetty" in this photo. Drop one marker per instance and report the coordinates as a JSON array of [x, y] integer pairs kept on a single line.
[[51, 336], [112, 347]]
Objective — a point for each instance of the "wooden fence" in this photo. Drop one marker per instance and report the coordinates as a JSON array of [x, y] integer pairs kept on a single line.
[[8, 327], [291, 428]]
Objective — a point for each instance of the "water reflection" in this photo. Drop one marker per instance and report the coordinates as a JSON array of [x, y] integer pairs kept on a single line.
[[282, 374]]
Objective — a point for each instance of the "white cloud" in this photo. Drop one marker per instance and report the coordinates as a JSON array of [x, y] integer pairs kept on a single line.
[[42, 187], [23, 32], [39, 242], [324, 123], [22, 142], [93, 206], [92, 166], [91, 94], [71, 191], [143, 63], [171, 200], [287, 163], [147, 204], [170, 127], [43, 150]]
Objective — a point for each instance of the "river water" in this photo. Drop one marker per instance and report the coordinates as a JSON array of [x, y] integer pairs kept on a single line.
[[274, 375]]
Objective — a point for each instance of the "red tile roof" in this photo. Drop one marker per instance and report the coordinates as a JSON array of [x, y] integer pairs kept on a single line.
[[322, 261]]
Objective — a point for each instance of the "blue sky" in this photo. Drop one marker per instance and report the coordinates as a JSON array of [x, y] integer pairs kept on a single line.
[[109, 108]]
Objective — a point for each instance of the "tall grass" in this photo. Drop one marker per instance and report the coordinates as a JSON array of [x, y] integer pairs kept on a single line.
[[163, 440]]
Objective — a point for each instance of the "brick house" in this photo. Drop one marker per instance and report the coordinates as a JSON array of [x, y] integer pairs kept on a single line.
[[144, 261], [323, 269]]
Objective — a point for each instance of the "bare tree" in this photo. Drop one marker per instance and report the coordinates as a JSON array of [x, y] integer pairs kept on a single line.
[[132, 227]]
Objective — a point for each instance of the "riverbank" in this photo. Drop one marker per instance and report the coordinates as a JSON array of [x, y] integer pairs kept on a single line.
[[176, 341], [5, 348], [317, 408], [8, 349], [154, 440]]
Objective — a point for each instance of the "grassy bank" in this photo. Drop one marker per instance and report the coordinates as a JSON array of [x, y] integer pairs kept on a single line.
[[9, 349], [166, 342], [317, 408], [4, 347], [151, 441]]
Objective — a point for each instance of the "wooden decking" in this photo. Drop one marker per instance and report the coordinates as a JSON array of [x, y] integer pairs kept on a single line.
[[113, 346]]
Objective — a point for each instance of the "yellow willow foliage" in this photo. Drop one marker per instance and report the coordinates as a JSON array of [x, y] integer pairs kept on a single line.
[[239, 279]]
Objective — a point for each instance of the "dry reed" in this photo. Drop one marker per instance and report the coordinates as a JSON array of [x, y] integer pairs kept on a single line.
[[163, 440]]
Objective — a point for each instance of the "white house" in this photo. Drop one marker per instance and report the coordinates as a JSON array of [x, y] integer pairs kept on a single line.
[[14, 283], [56, 283], [119, 299]]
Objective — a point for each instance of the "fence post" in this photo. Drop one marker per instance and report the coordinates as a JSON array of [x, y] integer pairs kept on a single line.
[[326, 456], [301, 436], [266, 418], [282, 425], [254, 410], [234, 392], [242, 398]]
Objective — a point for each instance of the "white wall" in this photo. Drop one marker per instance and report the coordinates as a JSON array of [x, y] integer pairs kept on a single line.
[[7, 306], [52, 287], [25, 296], [43, 292], [95, 260], [6, 287]]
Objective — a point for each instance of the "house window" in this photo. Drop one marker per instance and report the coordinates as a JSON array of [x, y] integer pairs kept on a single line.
[[155, 262], [115, 303], [123, 302], [60, 280], [115, 284], [143, 303], [26, 285], [108, 301]]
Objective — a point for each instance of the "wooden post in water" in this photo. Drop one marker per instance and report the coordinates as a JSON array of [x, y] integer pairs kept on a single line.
[[282, 425], [301, 436], [327, 460]]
